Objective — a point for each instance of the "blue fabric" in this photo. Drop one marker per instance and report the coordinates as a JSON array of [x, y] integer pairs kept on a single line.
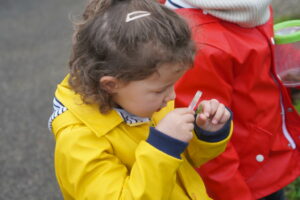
[[165, 143], [174, 4]]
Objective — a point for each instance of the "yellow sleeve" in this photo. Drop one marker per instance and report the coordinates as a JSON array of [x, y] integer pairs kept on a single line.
[[199, 152], [86, 168]]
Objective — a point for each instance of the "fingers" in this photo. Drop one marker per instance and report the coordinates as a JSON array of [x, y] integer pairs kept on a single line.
[[187, 117], [189, 127], [218, 114], [225, 116], [201, 119], [213, 110], [178, 124], [209, 107]]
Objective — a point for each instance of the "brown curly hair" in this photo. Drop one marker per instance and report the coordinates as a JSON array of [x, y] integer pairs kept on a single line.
[[105, 45]]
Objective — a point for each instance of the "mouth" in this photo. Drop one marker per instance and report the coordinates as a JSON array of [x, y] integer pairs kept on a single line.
[[164, 105]]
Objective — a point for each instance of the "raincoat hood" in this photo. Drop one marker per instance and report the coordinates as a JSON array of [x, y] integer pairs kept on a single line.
[[244, 13]]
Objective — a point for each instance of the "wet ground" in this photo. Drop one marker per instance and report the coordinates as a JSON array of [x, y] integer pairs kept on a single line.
[[35, 42]]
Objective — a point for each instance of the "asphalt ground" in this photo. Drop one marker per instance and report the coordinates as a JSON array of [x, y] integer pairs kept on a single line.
[[35, 43]]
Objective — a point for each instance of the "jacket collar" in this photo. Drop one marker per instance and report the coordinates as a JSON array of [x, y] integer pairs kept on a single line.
[[244, 13], [175, 4], [196, 16], [131, 119], [89, 113]]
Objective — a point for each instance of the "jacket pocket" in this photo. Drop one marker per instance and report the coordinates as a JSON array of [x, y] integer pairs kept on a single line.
[[256, 150]]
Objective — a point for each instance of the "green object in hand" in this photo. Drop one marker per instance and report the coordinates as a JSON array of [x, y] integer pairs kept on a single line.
[[199, 109]]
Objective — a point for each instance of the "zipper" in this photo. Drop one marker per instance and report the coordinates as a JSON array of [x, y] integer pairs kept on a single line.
[[286, 133]]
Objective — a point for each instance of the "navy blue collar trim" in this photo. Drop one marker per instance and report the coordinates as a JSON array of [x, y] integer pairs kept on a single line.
[[174, 4]]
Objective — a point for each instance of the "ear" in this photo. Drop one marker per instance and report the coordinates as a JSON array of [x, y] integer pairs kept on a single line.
[[109, 83]]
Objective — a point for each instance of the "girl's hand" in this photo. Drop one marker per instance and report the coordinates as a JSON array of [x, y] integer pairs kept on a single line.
[[178, 124], [213, 115]]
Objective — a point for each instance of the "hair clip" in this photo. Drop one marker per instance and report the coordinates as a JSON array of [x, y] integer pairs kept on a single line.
[[136, 15]]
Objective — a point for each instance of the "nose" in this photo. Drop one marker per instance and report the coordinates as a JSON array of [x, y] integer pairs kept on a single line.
[[171, 95]]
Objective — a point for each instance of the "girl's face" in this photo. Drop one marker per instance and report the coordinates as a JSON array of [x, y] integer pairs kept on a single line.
[[144, 97]]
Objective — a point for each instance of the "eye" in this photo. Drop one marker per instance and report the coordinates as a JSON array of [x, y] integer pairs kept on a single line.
[[163, 90], [159, 91]]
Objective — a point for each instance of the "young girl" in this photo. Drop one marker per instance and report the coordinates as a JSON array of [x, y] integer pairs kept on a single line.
[[117, 134]]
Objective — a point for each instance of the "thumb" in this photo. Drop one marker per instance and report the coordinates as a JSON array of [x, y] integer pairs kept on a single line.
[[201, 119]]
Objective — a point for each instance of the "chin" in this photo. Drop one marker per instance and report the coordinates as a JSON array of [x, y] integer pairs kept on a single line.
[[149, 115], [144, 115]]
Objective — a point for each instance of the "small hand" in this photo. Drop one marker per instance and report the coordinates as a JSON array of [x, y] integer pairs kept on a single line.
[[213, 115], [178, 124]]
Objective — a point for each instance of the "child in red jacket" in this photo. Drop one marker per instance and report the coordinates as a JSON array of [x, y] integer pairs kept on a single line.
[[235, 64]]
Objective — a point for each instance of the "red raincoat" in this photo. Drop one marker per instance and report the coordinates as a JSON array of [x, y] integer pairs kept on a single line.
[[235, 65]]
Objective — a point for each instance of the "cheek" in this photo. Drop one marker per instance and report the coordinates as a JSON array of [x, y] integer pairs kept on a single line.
[[151, 102], [158, 102]]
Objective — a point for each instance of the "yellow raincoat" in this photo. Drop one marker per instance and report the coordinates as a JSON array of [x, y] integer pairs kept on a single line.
[[100, 157]]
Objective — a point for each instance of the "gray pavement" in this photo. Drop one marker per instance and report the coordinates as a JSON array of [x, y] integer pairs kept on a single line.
[[35, 37], [35, 42]]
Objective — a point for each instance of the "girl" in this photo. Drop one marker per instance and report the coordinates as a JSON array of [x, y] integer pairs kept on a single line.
[[117, 135]]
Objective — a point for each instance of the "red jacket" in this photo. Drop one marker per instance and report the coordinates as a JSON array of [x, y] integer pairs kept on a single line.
[[235, 65]]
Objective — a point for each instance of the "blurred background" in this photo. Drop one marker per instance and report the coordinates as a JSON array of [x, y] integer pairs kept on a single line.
[[35, 44]]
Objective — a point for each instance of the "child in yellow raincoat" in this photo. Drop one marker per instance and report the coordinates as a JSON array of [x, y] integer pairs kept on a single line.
[[117, 133]]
